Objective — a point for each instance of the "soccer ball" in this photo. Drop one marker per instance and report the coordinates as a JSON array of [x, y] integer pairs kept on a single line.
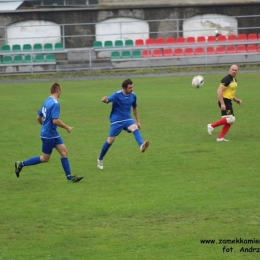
[[197, 81]]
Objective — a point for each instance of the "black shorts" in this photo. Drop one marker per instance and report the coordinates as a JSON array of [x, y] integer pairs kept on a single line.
[[229, 109]]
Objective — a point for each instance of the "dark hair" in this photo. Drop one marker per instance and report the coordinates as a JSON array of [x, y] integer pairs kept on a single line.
[[126, 83], [55, 86]]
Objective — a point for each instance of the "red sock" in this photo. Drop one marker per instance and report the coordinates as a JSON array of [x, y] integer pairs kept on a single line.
[[222, 121], [224, 130]]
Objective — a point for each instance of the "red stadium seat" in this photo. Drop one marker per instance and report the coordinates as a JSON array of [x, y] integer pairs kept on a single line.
[[258, 47], [180, 40], [149, 41], [146, 53], [210, 50], [241, 48], [188, 51], [211, 39], [157, 53], [170, 40], [231, 49], [251, 48], [242, 37], [220, 50], [201, 39], [222, 38], [252, 37], [178, 52], [167, 52], [191, 40], [199, 51], [139, 42], [232, 38], [159, 41]]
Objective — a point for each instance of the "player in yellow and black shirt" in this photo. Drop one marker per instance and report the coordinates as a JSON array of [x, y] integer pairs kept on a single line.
[[226, 94]]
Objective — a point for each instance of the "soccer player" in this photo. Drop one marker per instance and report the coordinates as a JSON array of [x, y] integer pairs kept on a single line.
[[121, 119], [226, 94], [48, 117]]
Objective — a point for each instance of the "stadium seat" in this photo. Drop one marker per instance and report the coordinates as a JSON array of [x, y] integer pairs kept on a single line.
[[211, 39], [129, 43], [149, 41], [157, 53], [167, 52], [241, 48], [220, 50], [39, 58], [188, 51], [6, 48], [58, 46], [137, 54], [180, 40], [222, 38], [48, 46], [232, 38], [50, 57], [252, 37], [231, 49], [146, 53], [190, 40], [126, 55], [18, 59], [178, 52], [242, 37], [170, 40], [16, 47], [115, 55], [27, 47], [28, 58], [210, 50], [159, 41], [258, 47], [201, 39], [251, 48], [7, 59], [97, 44], [37, 47], [199, 51], [139, 42], [108, 44], [119, 43]]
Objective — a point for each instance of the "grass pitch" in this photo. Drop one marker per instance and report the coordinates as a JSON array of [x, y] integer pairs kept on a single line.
[[158, 205]]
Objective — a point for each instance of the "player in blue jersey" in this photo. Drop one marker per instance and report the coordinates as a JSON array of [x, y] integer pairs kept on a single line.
[[48, 117], [121, 119]]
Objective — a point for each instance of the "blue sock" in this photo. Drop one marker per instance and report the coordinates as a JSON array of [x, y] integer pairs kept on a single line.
[[66, 167], [104, 150], [138, 137], [32, 161]]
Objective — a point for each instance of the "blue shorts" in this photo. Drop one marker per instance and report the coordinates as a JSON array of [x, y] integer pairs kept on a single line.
[[49, 144], [116, 128]]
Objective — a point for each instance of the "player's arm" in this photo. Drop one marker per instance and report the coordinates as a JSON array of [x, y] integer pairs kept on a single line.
[[39, 118], [220, 90], [59, 123], [238, 101], [137, 117], [104, 99]]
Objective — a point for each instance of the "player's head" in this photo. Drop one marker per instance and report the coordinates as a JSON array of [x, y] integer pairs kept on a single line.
[[56, 89], [233, 70], [127, 86]]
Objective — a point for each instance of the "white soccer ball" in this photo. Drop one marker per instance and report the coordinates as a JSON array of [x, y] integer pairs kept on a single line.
[[197, 81]]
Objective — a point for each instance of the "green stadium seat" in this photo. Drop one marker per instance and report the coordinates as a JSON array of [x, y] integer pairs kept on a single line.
[[108, 44], [115, 55], [137, 54], [119, 43], [16, 47], [50, 57], [1, 60], [6, 48], [58, 46], [39, 58], [18, 59], [37, 47], [48, 47], [27, 47], [126, 55], [28, 58], [129, 43], [7, 59], [98, 44]]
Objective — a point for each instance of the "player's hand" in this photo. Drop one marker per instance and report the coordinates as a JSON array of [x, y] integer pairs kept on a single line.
[[223, 107], [69, 129], [104, 99], [139, 125], [239, 101]]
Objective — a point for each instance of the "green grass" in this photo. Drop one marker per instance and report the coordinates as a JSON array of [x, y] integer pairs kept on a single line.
[[156, 205]]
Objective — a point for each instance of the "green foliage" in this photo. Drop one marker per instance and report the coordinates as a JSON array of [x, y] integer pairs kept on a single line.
[[156, 205]]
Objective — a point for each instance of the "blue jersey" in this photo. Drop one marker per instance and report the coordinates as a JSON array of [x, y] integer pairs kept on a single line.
[[49, 111], [121, 107]]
